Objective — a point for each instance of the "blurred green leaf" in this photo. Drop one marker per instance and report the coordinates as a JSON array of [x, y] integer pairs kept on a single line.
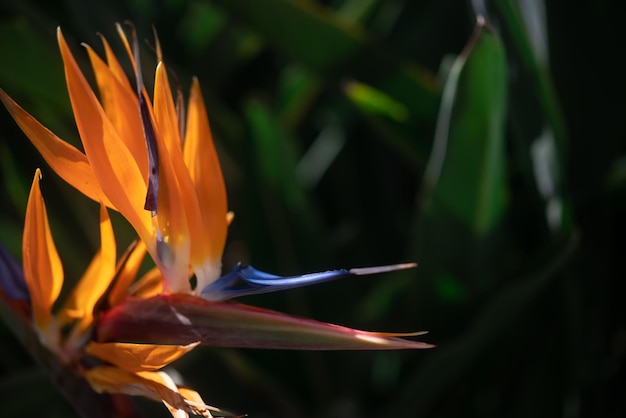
[[16, 187], [542, 83], [276, 156], [298, 90], [29, 63], [320, 39], [450, 288], [200, 25], [320, 156], [374, 101], [466, 173], [491, 325], [290, 215]]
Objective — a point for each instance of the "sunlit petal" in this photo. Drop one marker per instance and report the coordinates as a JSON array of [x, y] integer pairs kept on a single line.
[[173, 243], [138, 357], [120, 105], [165, 112], [68, 162], [43, 271], [204, 167], [96, 279], [166, 118], [114, 65], [163, 198], [149, 285], [113, 165]]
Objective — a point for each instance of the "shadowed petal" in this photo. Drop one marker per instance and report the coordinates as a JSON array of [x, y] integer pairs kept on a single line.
[[139, 357], [12, 280], [43, 271], [149, 285], [127, 270], [182, 319], [246, 280]]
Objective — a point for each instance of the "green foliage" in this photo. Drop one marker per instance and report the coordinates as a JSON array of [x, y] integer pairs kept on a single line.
[[347, 140]]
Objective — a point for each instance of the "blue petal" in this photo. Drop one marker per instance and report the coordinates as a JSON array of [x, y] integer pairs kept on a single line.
[[245, 280], [12, 276]]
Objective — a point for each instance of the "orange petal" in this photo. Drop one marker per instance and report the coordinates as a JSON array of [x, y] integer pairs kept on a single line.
[[68, 162], [157, 386], [122, 108], [167, 120], [165, 111], [204, 167], [115, 66], [173, 246], [43, 271], [113, 164], [109, 379], [126, 44], [150, 284], [138, 357], [96, 279], [127, 272]]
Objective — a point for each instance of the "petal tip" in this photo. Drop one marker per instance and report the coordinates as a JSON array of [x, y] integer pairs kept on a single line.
[[362, 271]]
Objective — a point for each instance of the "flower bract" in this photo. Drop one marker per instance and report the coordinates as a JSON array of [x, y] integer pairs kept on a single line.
[[152, 160]]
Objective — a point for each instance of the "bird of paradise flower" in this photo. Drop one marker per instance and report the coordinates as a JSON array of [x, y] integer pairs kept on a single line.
[[157, 167]]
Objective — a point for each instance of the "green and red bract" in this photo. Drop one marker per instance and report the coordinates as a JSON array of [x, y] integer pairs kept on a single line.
[[182, 319]]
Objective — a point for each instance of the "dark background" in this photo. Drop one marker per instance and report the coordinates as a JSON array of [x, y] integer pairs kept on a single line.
[[325, 115]]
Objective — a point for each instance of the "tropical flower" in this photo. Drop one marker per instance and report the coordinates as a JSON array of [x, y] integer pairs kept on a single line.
[[159, 169]]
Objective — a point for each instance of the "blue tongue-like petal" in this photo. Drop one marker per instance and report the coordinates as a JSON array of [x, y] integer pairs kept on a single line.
[[12, 277], [245, 280]]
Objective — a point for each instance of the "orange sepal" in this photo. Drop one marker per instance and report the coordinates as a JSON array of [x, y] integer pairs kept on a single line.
[[96, 279], [122, 108], [127, 272], [149, 285], [157, 386], [206, 173], [166, 118], [67, 161], [43, 270], [114, 166], [134, 357]]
